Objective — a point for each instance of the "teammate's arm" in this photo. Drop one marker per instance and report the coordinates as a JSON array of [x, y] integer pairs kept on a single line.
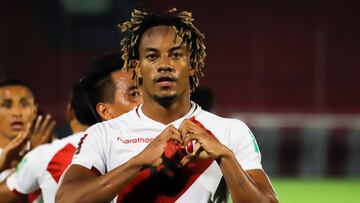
[[23, 181], [92, 188], [7, 195], [12, 151], [245, 186]]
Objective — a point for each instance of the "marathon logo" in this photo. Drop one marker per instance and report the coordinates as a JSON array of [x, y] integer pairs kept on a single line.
[[135, 140], [80, 143]]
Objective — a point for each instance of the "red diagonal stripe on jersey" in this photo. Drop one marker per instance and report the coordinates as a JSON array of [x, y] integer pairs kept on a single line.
[[164, 184], [33, 197], [202, 126], [61, 161]]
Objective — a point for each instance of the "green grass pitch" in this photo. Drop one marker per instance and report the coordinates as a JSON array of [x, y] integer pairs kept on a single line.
[[317, 190]]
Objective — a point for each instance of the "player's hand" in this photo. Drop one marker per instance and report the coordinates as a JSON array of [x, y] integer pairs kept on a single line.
[[152, 155], [13, 151], [42, 131], [206, 147]]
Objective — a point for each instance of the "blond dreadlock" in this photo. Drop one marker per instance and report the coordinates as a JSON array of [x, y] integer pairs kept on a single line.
[[182, 22]]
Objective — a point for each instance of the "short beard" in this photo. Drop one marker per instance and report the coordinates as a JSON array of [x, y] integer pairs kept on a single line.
[[165, 101]]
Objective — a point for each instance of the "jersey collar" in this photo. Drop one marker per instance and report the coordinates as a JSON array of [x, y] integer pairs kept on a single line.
[[195, 108]]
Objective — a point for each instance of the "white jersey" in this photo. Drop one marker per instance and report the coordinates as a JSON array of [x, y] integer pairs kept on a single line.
[[42, 168], [4, 173], [110, 144]]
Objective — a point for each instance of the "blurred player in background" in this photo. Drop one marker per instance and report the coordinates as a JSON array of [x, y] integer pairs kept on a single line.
[[18, 124], [103, 93]]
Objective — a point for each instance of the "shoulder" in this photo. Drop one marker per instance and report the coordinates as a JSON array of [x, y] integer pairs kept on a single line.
[[123, 121], [35, 160], [212, 119]]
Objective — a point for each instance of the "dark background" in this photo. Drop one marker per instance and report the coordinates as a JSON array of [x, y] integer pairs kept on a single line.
[[289, 68], [263, 56]]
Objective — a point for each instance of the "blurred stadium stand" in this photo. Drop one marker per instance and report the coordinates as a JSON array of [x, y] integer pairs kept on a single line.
[[307, 145]]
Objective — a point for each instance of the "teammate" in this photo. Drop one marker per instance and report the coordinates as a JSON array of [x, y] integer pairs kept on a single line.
[[104, 92], [17, 113], [141, 154]]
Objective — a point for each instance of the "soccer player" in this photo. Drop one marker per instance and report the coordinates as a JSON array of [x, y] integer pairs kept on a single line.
[[105, 92], [17, 113], [168, 149]]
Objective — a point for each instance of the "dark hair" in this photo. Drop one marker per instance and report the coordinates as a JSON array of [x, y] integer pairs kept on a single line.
[[80, 105], [12, 81], [203, 96], [97, 84], [182, 22]]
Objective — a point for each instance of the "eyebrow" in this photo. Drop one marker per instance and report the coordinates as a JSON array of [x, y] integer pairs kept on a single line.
[[132, 87], [149, 49], [24, 99], [6, 100], [176, 48]]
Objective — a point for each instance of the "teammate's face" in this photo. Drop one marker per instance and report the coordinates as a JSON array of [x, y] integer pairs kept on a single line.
[[164, 64], [17, 109], [127, 95]]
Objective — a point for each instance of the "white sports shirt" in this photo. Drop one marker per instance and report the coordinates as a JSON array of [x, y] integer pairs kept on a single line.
[[4, 173], [111, 143], [43, 166]]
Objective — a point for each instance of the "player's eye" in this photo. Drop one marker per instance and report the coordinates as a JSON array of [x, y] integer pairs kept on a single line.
[[6, 104], [24, 104], [134, 93], [151, 56], [176, 54]]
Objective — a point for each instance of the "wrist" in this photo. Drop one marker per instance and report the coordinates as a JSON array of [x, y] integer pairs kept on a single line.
[[138, 161], [3, 164], [226, 154]]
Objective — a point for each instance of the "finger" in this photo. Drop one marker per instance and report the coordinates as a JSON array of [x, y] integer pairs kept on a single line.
[[45, 123], [18, 137], [192, 147], [197, 147], [26, 132], [50, 128], [158, 162], [186, 159], [37, 123], [171, 132], [175, 135], [185, 128], [18, 142], [190, 138], [47, 136], [22, 138]]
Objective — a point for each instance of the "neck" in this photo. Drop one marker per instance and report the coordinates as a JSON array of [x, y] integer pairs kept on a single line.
[[166, 112], [76, 126]]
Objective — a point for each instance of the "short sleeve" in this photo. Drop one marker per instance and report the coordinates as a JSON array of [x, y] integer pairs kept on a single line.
[[25, 178], [244, 145], [90, 150]]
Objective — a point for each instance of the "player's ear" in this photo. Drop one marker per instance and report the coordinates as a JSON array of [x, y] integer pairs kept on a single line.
[[137, 69], [103, 110], [35, 110], [192, 71], [70, 112]]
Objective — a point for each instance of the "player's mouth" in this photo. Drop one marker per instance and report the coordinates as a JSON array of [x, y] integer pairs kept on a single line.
[[17, 126], [165, 81]]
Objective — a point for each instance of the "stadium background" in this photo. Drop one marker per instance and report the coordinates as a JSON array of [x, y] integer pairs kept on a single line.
[[287, 68]]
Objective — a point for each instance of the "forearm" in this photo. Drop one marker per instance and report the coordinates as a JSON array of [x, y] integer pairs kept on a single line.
[[241, 186], [7, 195], [99, 189], [4, 162]]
